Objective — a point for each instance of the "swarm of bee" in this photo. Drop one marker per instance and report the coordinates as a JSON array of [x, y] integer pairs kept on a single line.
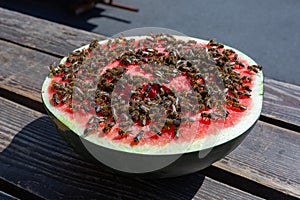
[[199, 64]]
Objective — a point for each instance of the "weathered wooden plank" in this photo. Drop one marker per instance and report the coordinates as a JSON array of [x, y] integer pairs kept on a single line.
[[34, 157], [282, 101], [23, 71], [42, 34]]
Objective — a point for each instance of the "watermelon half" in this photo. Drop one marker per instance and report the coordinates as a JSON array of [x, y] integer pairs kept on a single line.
[[189, 138]]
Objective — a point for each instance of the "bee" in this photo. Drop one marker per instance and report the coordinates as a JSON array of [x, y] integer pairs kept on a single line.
[[240, 64], [78, 91], [259, 67], [106, 113], [207, 115], [135, 115], [237, 105], [145, 54], [55, 70], [150, 49], [75, 53], [246, 87], [85, 108], [73, 106], [139, 136], [126, 61], [209, 104], [244, 94], [235, 94], [246, 78], [105, 129], [66, 98], [124, 124], [155, 129], [252, 68], [200, 106], [169, 121], [121, 132], [144, 108], [55, 98], [90, 129], [192, 42], [177, 122], [55, 85], [95, 119], [143, 120], [219, 115], [93, 44], [98, 108], [71, 59], [108, 127], [212, 43], [232, 98], [176, 132], [108, 87], [236, 86]]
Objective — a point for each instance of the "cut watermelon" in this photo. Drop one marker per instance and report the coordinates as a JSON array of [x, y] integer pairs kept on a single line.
[[154, 97]]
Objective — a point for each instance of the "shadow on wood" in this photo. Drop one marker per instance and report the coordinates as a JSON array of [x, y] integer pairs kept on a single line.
[[38, 160], [60, 12]]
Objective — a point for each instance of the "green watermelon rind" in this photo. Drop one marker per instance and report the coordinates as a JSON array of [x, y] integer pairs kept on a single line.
[[225, 135]]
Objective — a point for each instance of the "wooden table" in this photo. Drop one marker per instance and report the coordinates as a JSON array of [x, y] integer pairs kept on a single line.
[[36, 163]]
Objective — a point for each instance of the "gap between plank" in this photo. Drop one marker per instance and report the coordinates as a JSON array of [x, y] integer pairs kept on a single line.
[[279, 123]]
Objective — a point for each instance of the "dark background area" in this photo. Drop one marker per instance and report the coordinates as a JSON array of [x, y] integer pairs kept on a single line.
[[268, 31]]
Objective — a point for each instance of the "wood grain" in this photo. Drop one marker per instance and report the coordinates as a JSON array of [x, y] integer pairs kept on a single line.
[[23, 70], [41, 34], [282, 101], [34, 157]]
